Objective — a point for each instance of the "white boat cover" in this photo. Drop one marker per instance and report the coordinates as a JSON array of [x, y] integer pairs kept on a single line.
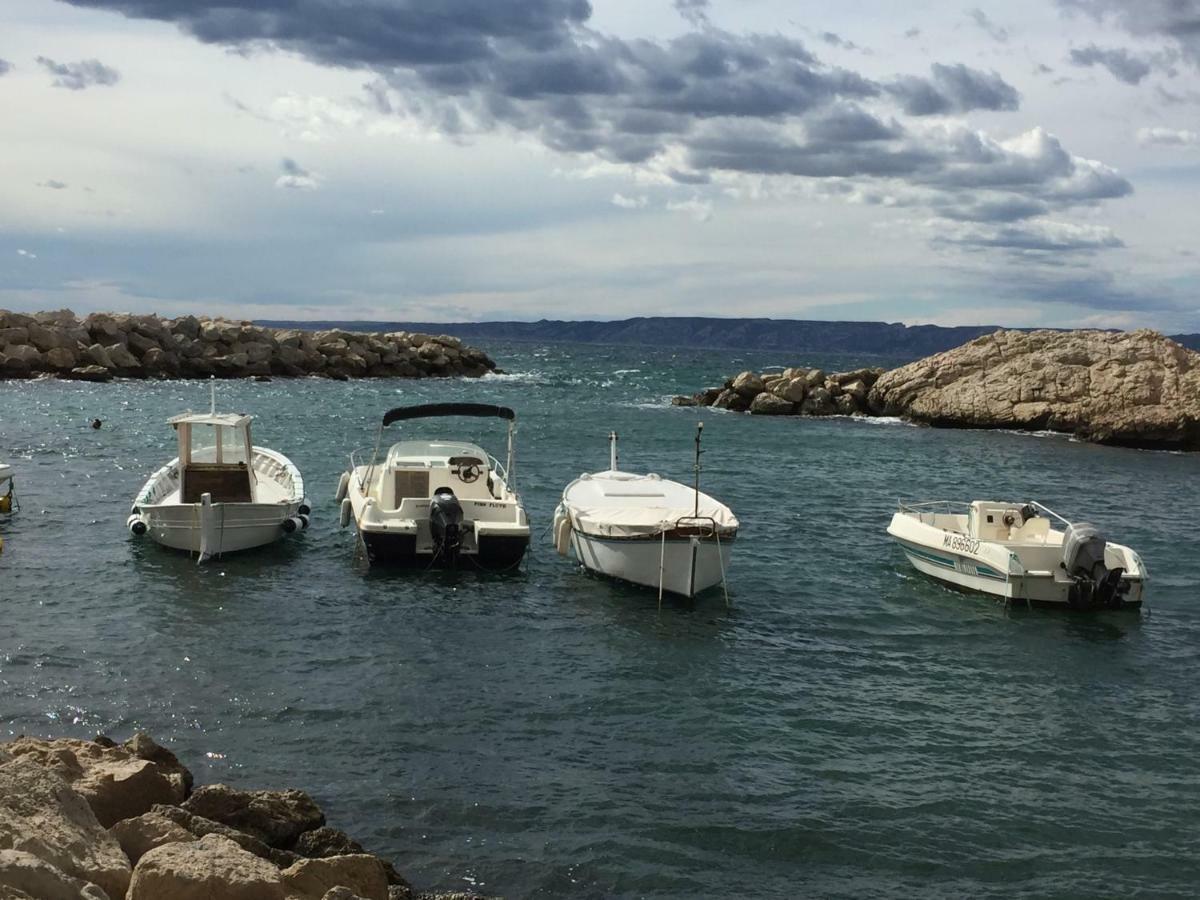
[[620, 504], [5, 472]]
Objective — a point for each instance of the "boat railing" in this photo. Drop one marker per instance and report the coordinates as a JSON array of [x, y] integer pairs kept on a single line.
[[498, 468], [937, 507], [363, 456]]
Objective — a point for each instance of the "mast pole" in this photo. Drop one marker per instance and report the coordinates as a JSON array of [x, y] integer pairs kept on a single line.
[[612, 451], [699, 431]]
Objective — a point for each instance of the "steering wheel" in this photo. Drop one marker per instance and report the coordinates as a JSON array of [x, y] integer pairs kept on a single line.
[[470, 472]]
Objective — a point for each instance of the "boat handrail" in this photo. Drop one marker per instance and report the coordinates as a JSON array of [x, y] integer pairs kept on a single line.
[[357, 458], [713, 527], [497, 467], [946, 507], [1048, 511]]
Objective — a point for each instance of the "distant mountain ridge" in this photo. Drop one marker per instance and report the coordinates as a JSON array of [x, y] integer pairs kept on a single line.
[[795, 335]]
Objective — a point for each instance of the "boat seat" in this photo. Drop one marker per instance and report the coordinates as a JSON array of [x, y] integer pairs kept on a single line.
[[226, 482]]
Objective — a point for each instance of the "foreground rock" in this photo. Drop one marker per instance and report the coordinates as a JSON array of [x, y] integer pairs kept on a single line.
[[1135, 388], [792, 392], [103, 346], [165, 841]]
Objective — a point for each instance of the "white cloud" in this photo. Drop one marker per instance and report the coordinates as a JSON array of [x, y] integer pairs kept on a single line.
[[700, 210], [624, 202], [27, 254], [1167, 137]]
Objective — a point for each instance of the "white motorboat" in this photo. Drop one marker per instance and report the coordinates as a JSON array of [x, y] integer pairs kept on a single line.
[[1010, 550], [645, 529], [436, 502], [221, 493]]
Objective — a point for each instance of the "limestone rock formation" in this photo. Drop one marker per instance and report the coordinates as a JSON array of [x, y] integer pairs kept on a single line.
[[361, 873], [212, 868], [25, 875], [115, 783], [277, 818], [42, 815], [102, 346], [1130, 388], [141, 834]]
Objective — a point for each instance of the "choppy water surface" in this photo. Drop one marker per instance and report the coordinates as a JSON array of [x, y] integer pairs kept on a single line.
[[846, 729]]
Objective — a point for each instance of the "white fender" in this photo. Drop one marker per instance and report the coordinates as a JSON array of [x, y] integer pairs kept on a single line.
[[562, 534], [343, 487], [346, 512], [210, 539]]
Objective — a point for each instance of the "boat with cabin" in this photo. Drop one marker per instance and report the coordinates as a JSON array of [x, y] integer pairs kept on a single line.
[[1012, 551], [646, 529], [440, 502], [221, 493]]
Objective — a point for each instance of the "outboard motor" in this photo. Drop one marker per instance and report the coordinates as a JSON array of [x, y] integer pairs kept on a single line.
[[445, 524], [1096, 586]]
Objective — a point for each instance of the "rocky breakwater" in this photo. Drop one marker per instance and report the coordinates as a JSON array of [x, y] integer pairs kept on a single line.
[[96, 820], [103, 346], [1136, 388], [792, 392]]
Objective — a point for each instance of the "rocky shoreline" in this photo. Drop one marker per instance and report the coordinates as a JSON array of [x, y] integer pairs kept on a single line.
[[97, 820], [103, 346], [1133, 389]]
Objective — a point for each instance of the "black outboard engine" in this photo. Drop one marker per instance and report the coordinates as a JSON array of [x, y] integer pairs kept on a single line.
[[1096, 586], [445, 524]]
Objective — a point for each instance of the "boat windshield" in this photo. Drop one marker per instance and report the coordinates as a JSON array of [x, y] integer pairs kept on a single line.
[[223, 444]]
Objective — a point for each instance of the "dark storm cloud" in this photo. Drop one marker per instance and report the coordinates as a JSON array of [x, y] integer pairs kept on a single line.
[[1122, 64], [80, 75], [836, 40], [994, 31], [1176, 21], [954, 89], [705, 104]]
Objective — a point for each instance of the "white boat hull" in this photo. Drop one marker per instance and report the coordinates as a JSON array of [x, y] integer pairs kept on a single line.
[[684, 566], [218, 528]]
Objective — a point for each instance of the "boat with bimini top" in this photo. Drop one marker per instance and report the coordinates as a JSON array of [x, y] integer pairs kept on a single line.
[[221, 493], [436, 502], [646, 529], [1010, 550]]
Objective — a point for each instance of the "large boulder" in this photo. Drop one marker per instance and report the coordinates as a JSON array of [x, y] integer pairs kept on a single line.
[[1130, 388], [791, 389], [767, 404], [360, 872], [731, 400], [145, 747], [212, 868], [325, 841], [42, 815], [819, 402], [115, 783], [141, 834], [200, 826], [748, 385], [45, 338], [277, 818], [37, 879]]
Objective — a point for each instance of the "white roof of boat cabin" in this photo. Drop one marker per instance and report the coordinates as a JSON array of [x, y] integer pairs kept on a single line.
[[632, 498], [226, 420], [423, 452], [5, 471]]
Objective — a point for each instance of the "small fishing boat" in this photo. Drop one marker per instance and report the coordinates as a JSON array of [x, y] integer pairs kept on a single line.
[[221, 493], [1010, 550], [436, 502], [646, 529]]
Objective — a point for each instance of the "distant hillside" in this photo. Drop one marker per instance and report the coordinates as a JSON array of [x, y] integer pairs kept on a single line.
[[881, 338]]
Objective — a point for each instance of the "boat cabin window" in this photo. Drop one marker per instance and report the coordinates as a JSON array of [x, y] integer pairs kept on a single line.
[[215, 460]]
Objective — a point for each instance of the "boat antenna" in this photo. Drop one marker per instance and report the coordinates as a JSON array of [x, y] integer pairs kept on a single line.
[[612, 451], [699, 432], [212, 386]]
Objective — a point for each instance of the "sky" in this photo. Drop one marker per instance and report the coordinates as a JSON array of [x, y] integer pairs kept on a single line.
[[1032, 162]]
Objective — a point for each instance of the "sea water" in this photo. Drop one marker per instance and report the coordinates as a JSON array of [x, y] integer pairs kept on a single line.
[[845, 728]]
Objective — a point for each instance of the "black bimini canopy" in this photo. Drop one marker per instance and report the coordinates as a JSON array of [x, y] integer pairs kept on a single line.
[[430, 410]]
